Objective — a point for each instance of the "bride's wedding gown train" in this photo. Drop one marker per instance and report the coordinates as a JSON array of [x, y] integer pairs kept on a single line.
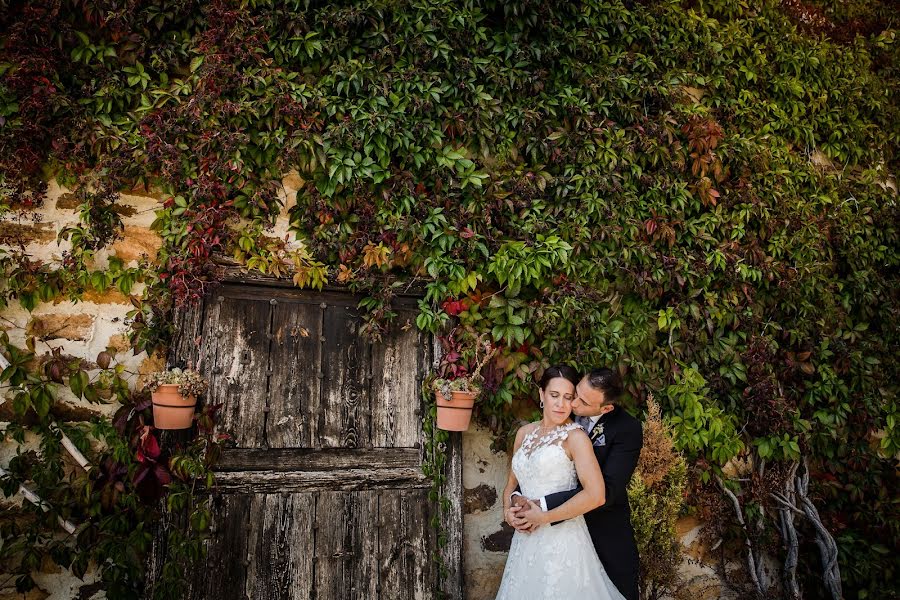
[[559, 561]]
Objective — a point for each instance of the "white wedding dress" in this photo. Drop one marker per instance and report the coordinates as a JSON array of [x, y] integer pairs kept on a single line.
[[555, 562]]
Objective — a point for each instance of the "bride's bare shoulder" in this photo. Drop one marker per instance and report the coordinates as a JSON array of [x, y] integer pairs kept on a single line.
[[577, 435]]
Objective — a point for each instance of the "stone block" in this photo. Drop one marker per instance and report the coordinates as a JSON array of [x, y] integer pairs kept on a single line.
[[68, 201], [16, 233], [35, 594], [141, 190], [819, 159], [479, 499], [90, 590], [58, 326], [483, 583], [737, 467], [704, 588], [124, 210], [686, 525], [110, 296], [61, 411], [65, 412], [293, 181], [119, 342], [137, 242], [695, 94], [500, 540]]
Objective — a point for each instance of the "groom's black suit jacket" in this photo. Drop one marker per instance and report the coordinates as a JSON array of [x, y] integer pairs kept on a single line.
[[617, 439]]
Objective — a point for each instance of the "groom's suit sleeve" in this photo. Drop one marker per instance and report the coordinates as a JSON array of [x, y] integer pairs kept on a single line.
[[620, 464]]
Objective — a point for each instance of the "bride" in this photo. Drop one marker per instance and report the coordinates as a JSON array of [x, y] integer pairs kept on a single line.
[[553, 455]]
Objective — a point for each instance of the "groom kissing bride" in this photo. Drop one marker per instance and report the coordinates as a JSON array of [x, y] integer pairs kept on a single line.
[[566, 494]]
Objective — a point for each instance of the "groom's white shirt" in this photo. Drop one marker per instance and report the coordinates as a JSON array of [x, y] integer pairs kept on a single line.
[[542, 499]]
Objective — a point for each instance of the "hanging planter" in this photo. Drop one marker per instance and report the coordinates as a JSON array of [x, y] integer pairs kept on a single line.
[[171, 409], [455, 413], [174, 395], [456, 395]]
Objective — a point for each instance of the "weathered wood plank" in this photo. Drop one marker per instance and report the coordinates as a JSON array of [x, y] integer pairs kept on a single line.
[[224, 577], [396, 416], [332, 551], [345, 399], [236, 276], [159, 550], [391, 582], [309, 481], [238, 333], [184, 351], [294, 385], [452, 552], [363, 568], [416, 559], [427, 346], [308, 459], [280, 565]]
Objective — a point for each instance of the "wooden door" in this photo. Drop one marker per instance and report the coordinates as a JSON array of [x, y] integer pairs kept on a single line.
[[322, 495]]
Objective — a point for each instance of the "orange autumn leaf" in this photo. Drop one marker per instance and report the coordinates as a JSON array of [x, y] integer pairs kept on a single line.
[[345, 274], [376, 256]]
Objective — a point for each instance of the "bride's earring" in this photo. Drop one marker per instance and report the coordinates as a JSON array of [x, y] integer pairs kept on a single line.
[[542, 404]]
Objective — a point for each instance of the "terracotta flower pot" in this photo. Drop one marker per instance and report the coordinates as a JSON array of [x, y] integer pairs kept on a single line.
[[171, 410], [454, 414]]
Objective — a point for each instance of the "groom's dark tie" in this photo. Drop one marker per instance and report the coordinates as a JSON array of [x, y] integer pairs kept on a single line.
[[583, 422]]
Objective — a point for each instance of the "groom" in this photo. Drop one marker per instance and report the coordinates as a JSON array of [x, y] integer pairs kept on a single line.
[[617, 438]]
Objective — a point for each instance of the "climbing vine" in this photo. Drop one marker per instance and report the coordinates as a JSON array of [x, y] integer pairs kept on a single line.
[[105, 509], [434, 466], [702, 193]]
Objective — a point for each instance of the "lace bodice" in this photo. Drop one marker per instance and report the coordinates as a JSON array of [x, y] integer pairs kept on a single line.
[[541, 464]]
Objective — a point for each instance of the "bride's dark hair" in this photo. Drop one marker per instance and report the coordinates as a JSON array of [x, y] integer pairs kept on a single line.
[[564, 371]]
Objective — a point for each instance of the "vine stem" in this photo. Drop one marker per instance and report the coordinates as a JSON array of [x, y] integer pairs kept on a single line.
[[66, 442], [37, 501], [824, 540], [751, 560], [789, 534], [70, 448]]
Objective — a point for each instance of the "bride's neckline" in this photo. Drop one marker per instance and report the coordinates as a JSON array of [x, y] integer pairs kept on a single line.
[[541, 431], [536, 439]]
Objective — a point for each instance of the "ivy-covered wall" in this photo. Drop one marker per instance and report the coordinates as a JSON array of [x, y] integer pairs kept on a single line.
[[700, 192]]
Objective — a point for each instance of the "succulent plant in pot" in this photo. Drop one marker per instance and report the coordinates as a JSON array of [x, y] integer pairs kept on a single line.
[[174, 393], [460, 385]]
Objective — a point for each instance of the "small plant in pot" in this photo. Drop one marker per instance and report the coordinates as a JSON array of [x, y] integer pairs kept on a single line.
[[459, 387], [174, 393]]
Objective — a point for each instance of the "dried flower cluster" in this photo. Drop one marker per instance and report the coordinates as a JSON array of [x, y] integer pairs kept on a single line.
[[189, 382]]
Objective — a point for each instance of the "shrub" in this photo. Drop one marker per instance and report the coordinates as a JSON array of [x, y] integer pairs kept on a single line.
[[656, 496]]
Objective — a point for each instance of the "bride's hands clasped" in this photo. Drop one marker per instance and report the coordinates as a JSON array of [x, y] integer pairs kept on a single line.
[[513, 514], [531, 517]]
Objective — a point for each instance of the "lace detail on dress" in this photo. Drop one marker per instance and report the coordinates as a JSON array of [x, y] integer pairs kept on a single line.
[[541, 464], [556, 436]]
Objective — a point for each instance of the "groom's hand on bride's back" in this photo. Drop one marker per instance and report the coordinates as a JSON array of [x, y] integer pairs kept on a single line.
[[519, 500]]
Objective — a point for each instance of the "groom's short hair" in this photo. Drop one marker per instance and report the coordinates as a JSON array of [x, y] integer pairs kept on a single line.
[[608, 382]]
